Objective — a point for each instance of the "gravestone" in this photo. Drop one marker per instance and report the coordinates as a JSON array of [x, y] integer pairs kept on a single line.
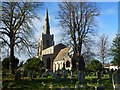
[[18, 75], [24, 73], [79, 87], [50, 73], [31, 76], [44, 75], [58, 71], [81, 76], [99, 74], [116, 79], [99, 88], [110, 74], [47, 72], [72, 77], [65, 74], [58, 77], [34, 75]]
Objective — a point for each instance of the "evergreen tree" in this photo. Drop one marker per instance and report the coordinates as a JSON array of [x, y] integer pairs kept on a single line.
[[115, 50]]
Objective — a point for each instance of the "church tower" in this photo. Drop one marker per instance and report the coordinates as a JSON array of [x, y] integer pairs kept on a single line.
[[46, 40]]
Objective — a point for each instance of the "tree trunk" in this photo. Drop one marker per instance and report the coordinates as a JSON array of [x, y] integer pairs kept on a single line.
[[80, 57], [103, 61], [12, 58]]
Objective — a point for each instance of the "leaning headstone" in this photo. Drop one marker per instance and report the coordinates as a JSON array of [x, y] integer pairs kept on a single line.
[[81, 76], [116, 79]]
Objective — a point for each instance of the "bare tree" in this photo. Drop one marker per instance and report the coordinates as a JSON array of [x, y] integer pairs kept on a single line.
[[78, 21], [17, 26], [103, 48]]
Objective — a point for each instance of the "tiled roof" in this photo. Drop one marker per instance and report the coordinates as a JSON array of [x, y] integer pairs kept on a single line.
[[61, 54]]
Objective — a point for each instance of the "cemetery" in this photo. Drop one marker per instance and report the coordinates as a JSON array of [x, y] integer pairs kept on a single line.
[[77, 61], [22, 80]]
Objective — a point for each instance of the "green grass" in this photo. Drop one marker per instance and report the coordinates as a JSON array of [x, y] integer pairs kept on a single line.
[[49, 82]]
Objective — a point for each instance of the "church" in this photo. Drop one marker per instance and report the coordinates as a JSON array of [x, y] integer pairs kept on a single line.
[[53, 56]]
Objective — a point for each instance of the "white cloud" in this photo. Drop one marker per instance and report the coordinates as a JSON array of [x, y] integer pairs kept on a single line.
[[110, 11]]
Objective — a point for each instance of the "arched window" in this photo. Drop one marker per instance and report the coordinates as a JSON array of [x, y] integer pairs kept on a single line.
[[48, 63], [47, 44], [63, 65], [54, 66], [67, 64]]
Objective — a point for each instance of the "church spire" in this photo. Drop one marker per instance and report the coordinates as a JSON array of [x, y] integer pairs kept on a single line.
[[46, 24]]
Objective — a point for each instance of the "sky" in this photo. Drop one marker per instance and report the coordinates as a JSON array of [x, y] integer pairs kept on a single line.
[[107, 21]]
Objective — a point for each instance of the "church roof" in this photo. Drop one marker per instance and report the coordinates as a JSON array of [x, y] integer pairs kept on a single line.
[[61, 54]]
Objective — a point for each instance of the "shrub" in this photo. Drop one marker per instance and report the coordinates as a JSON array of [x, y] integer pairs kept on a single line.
[[94, 65], [33, 64], [6, 61]]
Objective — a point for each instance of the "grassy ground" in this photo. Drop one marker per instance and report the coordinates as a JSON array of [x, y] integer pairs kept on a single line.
[[49, 82]]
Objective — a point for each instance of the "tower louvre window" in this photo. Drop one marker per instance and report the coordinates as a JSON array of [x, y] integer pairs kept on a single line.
[[47, 44]]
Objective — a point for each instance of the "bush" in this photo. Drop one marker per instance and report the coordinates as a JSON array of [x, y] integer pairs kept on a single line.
[[33, 64], [94, 65], [6, 61]]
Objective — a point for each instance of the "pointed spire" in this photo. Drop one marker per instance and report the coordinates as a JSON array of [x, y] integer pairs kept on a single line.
[[46, 23]]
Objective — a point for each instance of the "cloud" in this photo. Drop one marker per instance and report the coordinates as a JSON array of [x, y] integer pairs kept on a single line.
[[110, 11]]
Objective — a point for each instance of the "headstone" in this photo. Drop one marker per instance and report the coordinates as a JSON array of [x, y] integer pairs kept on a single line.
[[93, 80], [99, 88], [58, 77], [79, 86], [116, 79], [50, 73], [47, 72], [71, 73], [110, 74], [34, 75], [65, 74], [17, 75], [24, 74], [58, 71], [54, 74], [72, 77], [44, 75], [66, 88], [31, 76], [98, 81], [99, 74], [81, 76]]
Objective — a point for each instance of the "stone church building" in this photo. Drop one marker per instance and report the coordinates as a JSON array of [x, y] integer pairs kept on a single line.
[[53, 56]]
